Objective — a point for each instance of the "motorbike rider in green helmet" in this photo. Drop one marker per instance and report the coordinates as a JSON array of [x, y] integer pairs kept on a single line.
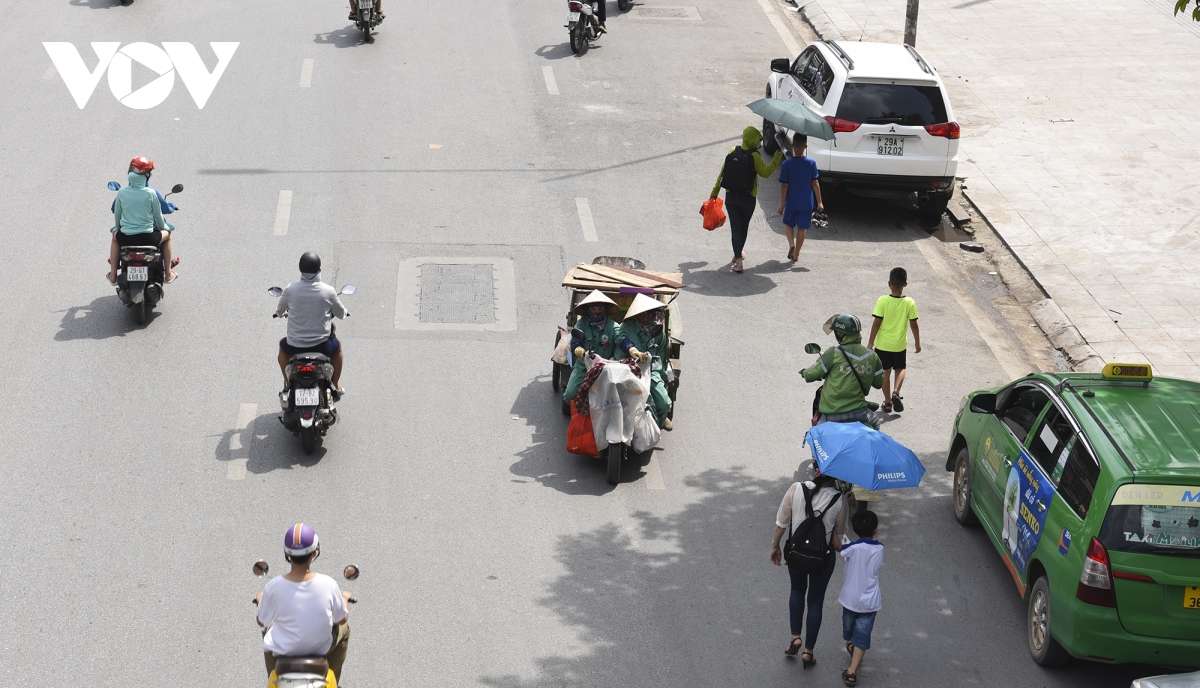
[[849, 370]]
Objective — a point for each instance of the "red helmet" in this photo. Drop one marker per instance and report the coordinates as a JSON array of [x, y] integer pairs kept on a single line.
[[142, 165]]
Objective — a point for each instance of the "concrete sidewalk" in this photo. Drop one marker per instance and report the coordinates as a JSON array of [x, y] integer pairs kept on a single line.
[[1079, 148]]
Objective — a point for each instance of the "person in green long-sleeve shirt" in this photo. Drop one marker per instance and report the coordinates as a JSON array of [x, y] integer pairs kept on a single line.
[[601, 336], [647, 336], [849, 370], [739, 177]]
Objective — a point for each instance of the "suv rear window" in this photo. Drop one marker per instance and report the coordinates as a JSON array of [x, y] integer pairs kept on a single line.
[[911, 106], [1154, 519]]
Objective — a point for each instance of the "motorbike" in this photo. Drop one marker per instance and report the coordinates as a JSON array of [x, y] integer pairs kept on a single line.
[[625, 424], [141, 272], [582, 25], [307, 403], [303, 672], [365, 17]]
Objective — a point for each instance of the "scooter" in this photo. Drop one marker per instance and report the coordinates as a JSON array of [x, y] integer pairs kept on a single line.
[[141, 272], [365, 17], [303, 672], [308, 401], [582, 24]]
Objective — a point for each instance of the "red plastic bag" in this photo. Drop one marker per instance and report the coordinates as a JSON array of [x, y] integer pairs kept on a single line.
[[713, 211], [580, 439]]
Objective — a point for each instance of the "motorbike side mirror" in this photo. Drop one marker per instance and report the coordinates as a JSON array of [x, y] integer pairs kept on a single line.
[[348, 289], [812, 348], [577, 333], [275, 291], [351, 572], [780, 65], [113, 186], [260, 568], [177, 188], [984, 403]]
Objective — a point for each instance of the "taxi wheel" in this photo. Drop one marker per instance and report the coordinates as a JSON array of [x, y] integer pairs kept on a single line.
[[963, 513], [1044, 649]]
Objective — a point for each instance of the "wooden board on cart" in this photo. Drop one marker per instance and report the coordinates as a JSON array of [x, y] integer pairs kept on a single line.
[[612, 279]]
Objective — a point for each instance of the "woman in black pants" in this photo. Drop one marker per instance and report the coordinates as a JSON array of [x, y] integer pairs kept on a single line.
[[741, 188]]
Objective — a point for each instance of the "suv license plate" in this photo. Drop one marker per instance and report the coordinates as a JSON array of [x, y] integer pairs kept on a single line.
[[889, 145], [308, 396], [136, 274], [1191, 597]]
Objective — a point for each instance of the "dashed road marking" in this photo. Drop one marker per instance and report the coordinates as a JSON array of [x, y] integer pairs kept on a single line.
[[585, 219], [654, 479], [780, 28], [306, 73], [551, 84], [239, 442], [283, 213]]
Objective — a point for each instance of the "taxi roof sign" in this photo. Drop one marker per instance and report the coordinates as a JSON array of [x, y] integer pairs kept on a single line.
[[1128, 371]]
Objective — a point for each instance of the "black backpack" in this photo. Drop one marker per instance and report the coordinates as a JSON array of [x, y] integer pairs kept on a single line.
[[807, 550], [739, 171]]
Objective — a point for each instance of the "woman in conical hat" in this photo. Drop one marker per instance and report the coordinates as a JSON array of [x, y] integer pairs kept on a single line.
[[600, 337], [638, 327]]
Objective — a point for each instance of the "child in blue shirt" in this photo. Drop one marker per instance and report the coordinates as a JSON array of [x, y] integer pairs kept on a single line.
[[799, 194], [860, 597]]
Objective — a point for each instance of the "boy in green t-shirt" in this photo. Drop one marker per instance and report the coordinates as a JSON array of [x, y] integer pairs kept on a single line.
[[892, 313]]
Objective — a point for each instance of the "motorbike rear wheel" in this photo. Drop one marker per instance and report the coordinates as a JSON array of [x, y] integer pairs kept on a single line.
[[141, 311], [578, 40], [615, 455], [308, 439]]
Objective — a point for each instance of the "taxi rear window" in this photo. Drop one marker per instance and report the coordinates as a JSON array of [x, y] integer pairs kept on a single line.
[[1154, 519]]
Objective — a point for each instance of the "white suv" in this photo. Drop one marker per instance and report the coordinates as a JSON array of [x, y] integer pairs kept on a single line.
[[894, 131]]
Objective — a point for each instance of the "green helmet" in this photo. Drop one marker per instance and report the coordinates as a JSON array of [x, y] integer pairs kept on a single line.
[[842, 325]]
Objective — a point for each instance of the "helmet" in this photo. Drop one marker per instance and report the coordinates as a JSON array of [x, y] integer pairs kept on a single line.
[[300, 540], [310, 262], [142, 165], [845, 324]]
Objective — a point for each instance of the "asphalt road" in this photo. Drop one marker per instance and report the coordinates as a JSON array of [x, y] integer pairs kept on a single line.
[[490, 556]]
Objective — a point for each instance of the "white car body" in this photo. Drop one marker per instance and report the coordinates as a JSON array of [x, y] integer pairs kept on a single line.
[[914, 154]]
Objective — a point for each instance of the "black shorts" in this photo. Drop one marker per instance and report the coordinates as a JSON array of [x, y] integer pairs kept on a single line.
[[892, 360], [154, 238], [329, 347]]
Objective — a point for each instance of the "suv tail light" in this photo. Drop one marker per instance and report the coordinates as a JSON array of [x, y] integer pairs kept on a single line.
[[840, 125], [1095, 581], [575, 6], [949, 130]]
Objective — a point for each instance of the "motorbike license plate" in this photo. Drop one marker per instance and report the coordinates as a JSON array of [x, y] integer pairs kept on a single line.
[[573, 17], [889, 145], [137, 274], [1191, 597], [308, 396]]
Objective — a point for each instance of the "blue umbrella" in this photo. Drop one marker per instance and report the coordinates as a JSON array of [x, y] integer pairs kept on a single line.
[[868, 458]]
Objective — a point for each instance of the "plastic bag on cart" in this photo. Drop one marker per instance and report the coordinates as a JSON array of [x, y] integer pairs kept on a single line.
[[616, 398], [562, 348], [645, 432]]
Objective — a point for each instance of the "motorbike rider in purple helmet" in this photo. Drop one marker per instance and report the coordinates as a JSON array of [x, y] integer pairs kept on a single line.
[[302, 612]]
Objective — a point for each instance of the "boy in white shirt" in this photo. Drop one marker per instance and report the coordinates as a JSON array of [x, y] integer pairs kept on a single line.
[[860, 597]]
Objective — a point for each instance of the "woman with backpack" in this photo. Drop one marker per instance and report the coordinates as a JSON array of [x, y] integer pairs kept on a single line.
[[809, 515], [739, 177]]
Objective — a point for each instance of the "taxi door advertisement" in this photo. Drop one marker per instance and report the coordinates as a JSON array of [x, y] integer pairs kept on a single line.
[[1026, 499]]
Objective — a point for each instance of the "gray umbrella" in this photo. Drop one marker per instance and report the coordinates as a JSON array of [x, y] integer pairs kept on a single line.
[[792, 116]]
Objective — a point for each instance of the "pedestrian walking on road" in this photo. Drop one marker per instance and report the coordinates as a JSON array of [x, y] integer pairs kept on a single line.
[[799, 195], [894, 313], [739, 177], [860, 597], [816, 499]]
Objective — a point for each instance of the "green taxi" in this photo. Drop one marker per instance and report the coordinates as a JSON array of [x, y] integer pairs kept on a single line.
[[1088, 484]]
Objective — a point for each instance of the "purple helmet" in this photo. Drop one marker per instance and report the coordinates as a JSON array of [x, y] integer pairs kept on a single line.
[[300, 540]]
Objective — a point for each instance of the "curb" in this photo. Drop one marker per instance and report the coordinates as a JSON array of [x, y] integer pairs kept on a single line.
[[813, 14]]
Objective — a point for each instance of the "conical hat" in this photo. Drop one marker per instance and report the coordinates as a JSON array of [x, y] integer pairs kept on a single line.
[[641, 304], [595, 297]]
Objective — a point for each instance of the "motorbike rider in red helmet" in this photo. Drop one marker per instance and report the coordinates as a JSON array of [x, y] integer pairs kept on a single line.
[[138, 218]]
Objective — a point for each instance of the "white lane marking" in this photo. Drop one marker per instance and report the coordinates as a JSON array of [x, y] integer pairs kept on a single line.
[[780, 27], [997, 341], [239, 442], [585, 219], [551, 84], [654, 479], [306, 73], [50, 72], [283, 213]]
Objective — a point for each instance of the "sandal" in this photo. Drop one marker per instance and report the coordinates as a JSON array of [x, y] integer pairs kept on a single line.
[[736, 267], [886, 407], [850, 647], [849, 678], [896, 401], [794, 647], [807, 658]]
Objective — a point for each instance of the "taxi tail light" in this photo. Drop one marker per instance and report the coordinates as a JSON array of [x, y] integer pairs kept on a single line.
[[1095, 581]]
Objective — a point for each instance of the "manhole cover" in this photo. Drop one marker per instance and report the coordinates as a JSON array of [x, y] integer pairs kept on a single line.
[[686, 13], [457, 294]]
